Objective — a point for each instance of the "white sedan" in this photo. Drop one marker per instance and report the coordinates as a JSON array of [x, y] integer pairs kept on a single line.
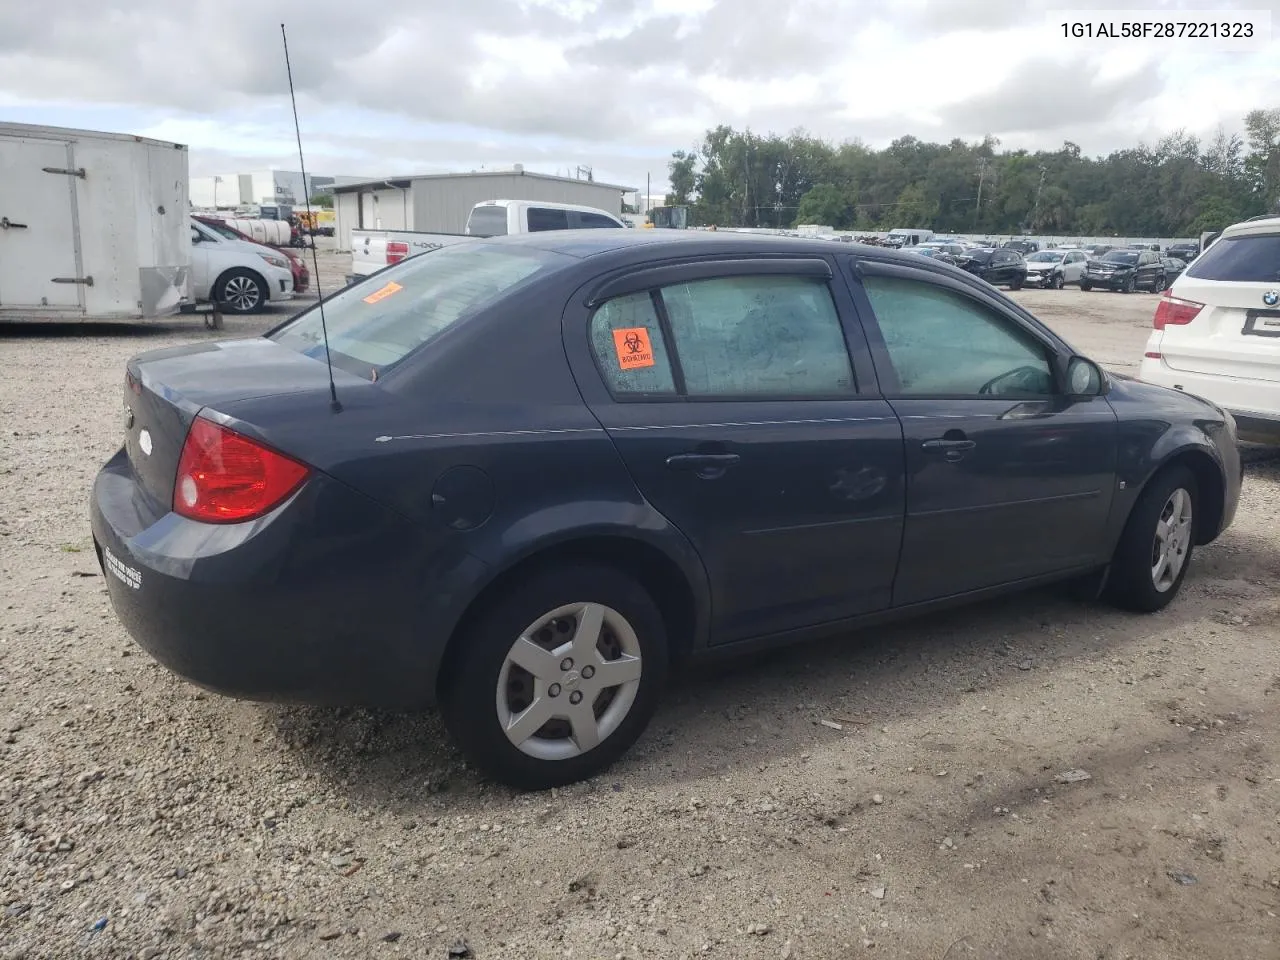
[[1055, 268]]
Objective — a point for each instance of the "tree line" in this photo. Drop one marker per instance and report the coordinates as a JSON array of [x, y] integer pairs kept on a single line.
[[1178, 187]]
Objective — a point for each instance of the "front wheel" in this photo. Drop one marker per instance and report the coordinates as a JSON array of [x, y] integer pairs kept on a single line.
[[1086, 286], [1016, 283], [1155, 549], [1129, 286], [557, 678], [1059, 281], [240, 291]]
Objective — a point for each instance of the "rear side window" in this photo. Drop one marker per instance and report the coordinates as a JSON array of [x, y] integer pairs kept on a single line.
[[487, 222], [758, 336], [626, 338], [545, 218], [1250, 259], [375, 324]]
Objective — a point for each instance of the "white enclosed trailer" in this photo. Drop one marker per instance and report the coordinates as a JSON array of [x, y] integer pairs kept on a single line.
[[93, 226]]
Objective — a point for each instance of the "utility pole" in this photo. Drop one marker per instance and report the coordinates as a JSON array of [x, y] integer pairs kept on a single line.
[[1035, 211], [647, 188], [982, 177]]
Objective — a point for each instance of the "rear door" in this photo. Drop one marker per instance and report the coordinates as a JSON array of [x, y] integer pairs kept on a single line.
[[1237, 333], [38, 249], [741, 396], [1007, 479]]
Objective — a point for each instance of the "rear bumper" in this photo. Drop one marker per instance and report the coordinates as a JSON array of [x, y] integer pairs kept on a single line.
[[328, 600], [1255, 404]]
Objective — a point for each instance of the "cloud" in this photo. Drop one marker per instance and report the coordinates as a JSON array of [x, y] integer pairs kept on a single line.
[[617, 84], [1048, 95]]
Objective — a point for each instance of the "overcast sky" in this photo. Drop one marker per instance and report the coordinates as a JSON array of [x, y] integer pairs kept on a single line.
[[615, 84]]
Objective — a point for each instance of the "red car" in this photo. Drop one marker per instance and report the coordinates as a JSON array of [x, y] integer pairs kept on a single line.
[[301, 275]]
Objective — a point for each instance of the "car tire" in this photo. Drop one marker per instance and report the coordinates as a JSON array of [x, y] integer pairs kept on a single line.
[[1060, 281], [1161, 527], [241, 291], [1086, 286], [1158, 284], [1016, 284], [485, 693], [1129, 285]]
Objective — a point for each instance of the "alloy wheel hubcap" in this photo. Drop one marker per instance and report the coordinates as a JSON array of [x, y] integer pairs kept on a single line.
[[568, 681], [242, 293], [1172, 540]]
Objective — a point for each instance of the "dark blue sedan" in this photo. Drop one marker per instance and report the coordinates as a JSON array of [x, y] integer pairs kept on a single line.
[[549, 467]]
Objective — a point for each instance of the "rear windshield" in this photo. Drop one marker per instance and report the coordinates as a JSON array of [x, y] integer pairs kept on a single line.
[[375, 324], [487, 222], [1250, 259], [1121, 256]]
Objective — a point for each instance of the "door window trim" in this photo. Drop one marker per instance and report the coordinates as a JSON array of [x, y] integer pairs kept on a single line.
[[652, 278], [860, 267]]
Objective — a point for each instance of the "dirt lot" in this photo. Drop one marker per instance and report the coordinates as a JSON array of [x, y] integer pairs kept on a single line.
[[145, 818]]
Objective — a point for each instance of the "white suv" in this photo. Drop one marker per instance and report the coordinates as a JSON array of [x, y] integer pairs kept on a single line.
[[238, 274], [1217, 329]]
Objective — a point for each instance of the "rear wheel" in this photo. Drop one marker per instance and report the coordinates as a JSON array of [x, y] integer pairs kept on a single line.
[[1155, 549], [240, 291], [1158, 284], [558, 678], [1016, 283]]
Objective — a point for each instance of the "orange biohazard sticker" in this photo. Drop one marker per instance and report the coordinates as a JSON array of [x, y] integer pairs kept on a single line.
[[388, 290], [633, 348]]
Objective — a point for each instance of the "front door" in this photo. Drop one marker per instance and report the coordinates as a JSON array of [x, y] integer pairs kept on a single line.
[[38, 261], [736, 405], [1007, 478]]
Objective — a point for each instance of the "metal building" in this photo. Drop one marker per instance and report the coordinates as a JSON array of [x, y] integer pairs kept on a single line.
[[440, 203]]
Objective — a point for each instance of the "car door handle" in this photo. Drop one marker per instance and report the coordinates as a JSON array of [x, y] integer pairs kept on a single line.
[[705, 465], [951, 449]]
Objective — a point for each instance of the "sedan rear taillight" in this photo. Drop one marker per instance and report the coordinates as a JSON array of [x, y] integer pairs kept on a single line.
[[1173, 312], [396, 251], [224, 477]]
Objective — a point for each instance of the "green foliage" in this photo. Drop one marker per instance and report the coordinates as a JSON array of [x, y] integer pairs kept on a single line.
[[1175, 188], [322, 201]]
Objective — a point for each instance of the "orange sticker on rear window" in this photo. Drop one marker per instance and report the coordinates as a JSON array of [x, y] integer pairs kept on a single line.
[[388, 290], [633, 348]]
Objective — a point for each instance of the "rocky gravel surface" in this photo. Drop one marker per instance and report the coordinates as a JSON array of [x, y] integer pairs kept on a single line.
[[1031, 778]]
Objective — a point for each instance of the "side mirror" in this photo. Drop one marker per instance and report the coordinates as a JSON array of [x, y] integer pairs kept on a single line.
[[1084, 378]]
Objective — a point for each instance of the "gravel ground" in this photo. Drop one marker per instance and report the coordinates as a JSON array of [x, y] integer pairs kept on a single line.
[[145, 818]]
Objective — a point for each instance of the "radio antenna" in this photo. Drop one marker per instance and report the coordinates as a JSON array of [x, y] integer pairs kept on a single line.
[[315, 257]]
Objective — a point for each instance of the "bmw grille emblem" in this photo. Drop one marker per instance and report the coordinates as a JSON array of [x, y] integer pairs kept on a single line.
[[1271, 297]]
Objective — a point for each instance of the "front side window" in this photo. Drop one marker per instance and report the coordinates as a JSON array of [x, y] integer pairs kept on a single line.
[[596, 220], [944, 344], [758, 336], [547, 218], [626, 338]]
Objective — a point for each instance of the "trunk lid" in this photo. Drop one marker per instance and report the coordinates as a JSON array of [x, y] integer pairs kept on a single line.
[[1236, 334], [164, 390]]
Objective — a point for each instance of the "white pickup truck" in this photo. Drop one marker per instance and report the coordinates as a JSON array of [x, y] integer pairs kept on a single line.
[[371, 250]]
